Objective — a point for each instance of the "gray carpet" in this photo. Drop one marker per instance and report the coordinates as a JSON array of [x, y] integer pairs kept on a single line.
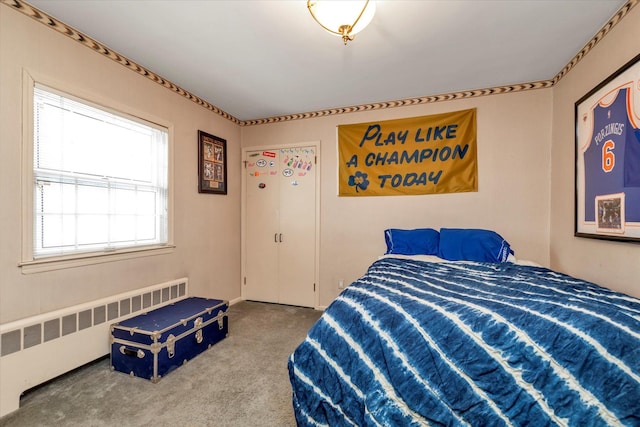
[[241, 381]]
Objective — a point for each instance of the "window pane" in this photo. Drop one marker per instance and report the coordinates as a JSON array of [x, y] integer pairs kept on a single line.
[[91, 200], [52, 197], [100, 178], [124, 227], [77, 143], [147, 228], [60, 232], [93, 229], [146, 203], [124, 201]]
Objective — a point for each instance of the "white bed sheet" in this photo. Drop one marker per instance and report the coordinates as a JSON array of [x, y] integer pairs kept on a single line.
[[433, 258]]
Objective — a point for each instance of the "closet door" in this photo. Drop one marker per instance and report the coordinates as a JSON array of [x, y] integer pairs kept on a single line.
[[262, 194], [296, 264], [280, 226]]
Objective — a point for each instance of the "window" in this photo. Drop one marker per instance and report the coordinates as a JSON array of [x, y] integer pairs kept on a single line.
[[100, 178]]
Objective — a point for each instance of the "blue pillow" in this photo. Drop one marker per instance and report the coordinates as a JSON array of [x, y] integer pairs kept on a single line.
[[421, 241], [466, 244]]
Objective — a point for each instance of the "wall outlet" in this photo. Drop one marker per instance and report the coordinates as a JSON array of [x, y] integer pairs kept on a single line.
[[340, 284]]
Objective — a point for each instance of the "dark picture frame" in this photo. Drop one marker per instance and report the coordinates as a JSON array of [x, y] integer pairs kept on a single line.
[[607, 158], [212, 164]]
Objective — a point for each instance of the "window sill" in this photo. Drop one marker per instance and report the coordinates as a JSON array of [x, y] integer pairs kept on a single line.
[[72, 261]]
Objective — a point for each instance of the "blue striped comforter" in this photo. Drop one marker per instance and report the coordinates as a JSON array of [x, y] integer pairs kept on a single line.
[[418, 343]]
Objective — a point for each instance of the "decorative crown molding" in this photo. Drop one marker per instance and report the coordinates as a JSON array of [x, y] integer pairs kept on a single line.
[[93, 44], [62, 28], [405, 102], [624, 10]]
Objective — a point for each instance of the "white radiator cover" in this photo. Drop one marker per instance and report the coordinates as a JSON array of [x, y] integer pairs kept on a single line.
[[40, 348]]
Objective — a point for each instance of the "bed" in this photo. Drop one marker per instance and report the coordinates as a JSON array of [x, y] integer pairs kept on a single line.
[[421, 340]]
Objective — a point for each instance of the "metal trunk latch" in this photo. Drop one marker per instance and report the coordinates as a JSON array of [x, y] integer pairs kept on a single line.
[[171, 345], [220, 319], [197, 324]]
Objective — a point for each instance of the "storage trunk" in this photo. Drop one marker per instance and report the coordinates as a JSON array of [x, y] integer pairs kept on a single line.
[[155, 343]]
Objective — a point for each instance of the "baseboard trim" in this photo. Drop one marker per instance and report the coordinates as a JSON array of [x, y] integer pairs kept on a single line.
[[236, 300]]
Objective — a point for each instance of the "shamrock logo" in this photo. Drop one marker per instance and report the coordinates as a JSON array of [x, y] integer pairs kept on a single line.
[[359, 180]]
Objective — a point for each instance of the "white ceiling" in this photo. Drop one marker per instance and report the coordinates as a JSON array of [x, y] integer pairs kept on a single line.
[[259, 59]]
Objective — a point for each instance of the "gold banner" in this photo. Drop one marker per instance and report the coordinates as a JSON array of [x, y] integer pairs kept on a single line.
[[417, 155]]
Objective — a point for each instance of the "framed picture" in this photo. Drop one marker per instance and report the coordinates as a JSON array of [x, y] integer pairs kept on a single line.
[[212, 164], [607, 169]]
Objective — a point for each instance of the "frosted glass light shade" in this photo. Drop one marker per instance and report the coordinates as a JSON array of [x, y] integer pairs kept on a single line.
[[343, 18]]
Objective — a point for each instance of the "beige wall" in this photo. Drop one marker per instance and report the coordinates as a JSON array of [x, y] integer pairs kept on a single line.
[[514, 137], [206, 227], [612, 264], [525, 156]]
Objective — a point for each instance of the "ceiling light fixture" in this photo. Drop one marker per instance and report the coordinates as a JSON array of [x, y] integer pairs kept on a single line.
[[342, 18]]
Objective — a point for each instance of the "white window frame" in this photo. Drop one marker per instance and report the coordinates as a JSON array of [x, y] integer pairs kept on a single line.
[[29, 264]]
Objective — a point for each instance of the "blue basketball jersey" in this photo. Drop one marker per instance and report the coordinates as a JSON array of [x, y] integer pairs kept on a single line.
[[632, 159], [613, 158]]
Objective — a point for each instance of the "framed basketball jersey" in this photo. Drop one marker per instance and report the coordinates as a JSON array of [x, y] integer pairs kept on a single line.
[[607, 170]]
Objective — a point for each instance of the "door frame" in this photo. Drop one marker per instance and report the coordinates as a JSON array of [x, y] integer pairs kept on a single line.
[[243, 213]]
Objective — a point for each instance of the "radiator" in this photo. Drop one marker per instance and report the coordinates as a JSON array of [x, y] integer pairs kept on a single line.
[[42, 347]]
